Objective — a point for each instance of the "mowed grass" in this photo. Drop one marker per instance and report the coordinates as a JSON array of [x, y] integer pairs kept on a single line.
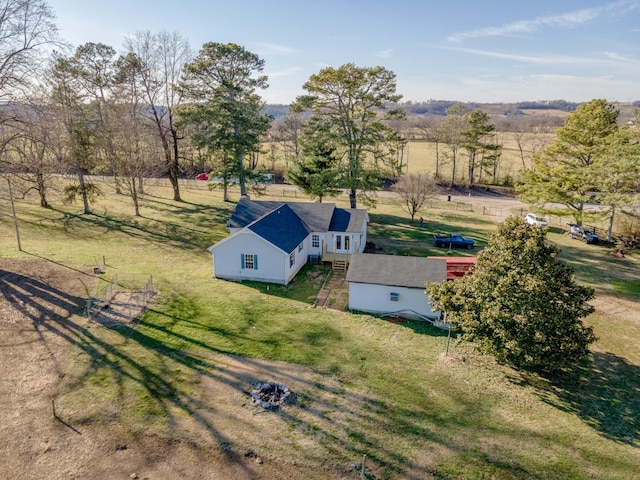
[[388, 391]]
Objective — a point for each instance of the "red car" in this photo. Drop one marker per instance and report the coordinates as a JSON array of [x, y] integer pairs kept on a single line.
[[202, 176]]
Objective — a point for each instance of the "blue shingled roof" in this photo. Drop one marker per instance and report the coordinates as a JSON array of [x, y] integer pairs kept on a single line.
[[248, 211], [282, 228]]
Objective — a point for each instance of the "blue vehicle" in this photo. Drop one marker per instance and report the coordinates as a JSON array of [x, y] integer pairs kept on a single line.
[[453, 240]]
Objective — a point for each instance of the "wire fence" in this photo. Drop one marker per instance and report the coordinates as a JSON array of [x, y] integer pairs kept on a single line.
[[140, 287]]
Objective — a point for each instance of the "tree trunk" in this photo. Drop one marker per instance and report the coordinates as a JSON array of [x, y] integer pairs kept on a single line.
[[134, 196], [610, 230], [437, 174], [83, 191], [453, 170]]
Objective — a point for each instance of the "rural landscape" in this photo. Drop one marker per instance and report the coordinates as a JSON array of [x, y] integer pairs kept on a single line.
[[125, 353]]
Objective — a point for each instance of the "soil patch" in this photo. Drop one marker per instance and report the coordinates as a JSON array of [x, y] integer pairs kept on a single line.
[[41, 311]]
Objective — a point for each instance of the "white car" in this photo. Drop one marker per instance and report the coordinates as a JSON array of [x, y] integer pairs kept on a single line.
[[533, 219]]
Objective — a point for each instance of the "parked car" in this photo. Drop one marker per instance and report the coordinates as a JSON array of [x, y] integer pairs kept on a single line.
[[202, 176], [453, 240], [581, 233], [533, 219]]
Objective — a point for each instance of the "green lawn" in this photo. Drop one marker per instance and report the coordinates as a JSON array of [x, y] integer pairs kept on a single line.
[[386, 389]]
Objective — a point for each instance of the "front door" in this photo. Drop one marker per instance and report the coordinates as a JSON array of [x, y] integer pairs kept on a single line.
[[342, 243]]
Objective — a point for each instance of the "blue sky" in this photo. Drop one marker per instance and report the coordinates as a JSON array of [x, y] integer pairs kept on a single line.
[[465, 50]]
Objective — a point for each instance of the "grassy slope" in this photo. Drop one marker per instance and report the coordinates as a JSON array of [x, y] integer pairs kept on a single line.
[[397, 399]]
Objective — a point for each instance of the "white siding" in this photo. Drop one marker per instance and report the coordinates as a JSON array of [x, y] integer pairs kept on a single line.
[[363, 237], [315, 250], [273, 263], [301, 259], [227, 259], [377, 299]]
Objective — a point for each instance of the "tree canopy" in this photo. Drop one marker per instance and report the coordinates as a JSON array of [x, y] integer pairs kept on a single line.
[[315, 170], [520, 304], [226, 113], [563, 173], [352, 102]]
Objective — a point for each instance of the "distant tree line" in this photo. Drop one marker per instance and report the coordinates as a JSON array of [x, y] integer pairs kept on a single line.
[[159, 109]]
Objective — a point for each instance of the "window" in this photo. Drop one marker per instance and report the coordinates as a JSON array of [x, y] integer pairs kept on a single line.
[[338, 242], [394, 296], [292, 259], [249, 261], [300, 247], [315, 241], [346, 242]]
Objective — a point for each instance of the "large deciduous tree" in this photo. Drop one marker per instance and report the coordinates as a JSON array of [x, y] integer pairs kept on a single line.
[[353, 103], [227, 115], [520, 304], [161, 59], [26, 27], [564, 172]]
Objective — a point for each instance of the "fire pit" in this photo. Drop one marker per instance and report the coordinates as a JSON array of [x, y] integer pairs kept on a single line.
[[270, 395]]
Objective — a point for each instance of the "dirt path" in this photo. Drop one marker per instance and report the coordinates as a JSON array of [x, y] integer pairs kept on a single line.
[[334, 293], [41, 306]]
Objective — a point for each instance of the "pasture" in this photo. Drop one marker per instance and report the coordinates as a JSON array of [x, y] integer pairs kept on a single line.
[[168, 396]]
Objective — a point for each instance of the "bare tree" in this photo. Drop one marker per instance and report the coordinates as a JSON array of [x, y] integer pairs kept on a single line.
[[288, 132], [455, 122], [433, 131], [33, 150], [26, 26], [162, 58], [414, 190]]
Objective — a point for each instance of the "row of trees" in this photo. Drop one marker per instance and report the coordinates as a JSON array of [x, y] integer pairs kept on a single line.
[[156, 106], [145, 111]]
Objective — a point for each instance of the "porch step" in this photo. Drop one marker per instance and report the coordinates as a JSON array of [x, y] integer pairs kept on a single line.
[[339, 265]]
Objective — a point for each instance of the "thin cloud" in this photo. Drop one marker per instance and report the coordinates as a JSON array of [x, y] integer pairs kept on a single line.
[[532, 59], [608, 59], [384, 53], [562, 20]]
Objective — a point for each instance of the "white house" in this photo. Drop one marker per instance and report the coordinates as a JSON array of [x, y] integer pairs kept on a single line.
[[270, 241], [386, 284]]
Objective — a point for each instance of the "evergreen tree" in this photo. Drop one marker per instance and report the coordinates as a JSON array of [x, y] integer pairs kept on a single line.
[[520, 304]]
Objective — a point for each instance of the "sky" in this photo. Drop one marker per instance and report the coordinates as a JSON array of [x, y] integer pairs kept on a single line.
[[467, 50]]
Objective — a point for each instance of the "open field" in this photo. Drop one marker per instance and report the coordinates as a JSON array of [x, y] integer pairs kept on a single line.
[[167, 397], [420, 156]]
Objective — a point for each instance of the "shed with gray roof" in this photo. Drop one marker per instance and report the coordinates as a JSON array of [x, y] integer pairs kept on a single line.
[[386, 284]]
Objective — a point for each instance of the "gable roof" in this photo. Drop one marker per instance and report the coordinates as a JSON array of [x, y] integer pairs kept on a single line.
[[248, 211], [395, 270], [318, 217], [282, 228], [348, 220]]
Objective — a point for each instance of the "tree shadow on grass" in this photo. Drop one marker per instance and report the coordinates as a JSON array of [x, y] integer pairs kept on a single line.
[[603, 391], [152, 230]]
